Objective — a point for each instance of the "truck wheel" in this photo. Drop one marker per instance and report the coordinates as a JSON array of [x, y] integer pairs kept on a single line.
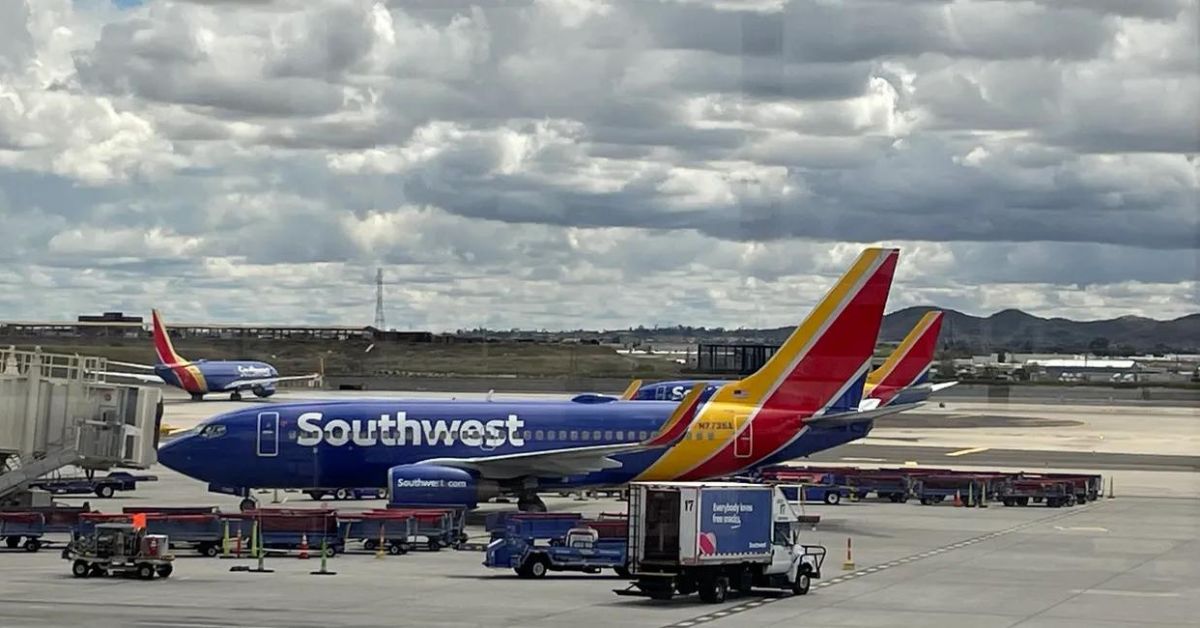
[[80, 569], [802, 583], [210, 550], [341, 494], [164, 571], [434, 545], [395, 550], [714, 591], [331, 551], [104, 491], [370, 545], [247, 504], [833, 498], [538, 567], [145, 571], [32, 545]]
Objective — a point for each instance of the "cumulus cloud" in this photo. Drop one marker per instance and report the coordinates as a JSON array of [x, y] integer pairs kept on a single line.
[[563, 163]]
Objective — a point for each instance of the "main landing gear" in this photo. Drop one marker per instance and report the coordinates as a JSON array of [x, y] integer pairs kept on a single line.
[[235, 396], [529, 501], [197, 396]]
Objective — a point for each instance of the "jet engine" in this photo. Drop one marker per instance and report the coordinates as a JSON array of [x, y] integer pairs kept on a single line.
[[436, 485]]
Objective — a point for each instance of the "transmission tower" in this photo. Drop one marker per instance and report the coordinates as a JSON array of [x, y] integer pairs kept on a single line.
[[379, 322]]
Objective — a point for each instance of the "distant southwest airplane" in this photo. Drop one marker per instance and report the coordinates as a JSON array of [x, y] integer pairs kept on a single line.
[[202, 377], [458, 452]]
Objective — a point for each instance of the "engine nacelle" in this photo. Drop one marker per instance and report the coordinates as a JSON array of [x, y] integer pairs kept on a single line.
[[435, 485]]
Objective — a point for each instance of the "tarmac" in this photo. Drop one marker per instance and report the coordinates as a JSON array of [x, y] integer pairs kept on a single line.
[[1129, 561]]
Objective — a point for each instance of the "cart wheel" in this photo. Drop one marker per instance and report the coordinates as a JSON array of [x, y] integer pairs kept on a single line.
[[341, 494], [434, 545], [32, 545], [164, 571], [833, 498], [331, 551], [404, 547], [80, 569], [395, 550], [210, 551], [802, 583], [370, 545], [145, 571], [538, 567]]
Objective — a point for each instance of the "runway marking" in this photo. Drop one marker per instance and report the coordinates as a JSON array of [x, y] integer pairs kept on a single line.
[[854, 575], [857, 459], [1081, 529], [973, 450], [1123, 593]]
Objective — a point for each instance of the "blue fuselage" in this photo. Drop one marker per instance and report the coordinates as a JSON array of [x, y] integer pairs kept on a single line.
[[354, 443], [216, 376]]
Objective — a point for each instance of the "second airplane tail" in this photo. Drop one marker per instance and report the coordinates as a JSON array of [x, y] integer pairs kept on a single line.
[[907, 366], [162, 342]]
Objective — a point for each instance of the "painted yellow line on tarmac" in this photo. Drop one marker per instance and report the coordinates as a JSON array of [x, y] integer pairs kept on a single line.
[[963, 452]]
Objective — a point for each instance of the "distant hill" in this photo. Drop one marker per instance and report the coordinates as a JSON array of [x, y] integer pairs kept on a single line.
[[1015, 330]]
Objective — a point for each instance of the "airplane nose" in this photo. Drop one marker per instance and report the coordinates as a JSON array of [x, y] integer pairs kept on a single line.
[[174, 455]]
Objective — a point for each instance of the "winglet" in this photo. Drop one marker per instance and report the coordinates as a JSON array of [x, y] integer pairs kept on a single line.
[[909, 364], [631, 390], [162, 342], [677, 425]]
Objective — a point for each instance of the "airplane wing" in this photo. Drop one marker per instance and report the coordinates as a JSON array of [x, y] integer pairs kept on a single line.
[[132, 365], [141, 377], [942, 386], [843, 418], [263, 381], [579, 460]]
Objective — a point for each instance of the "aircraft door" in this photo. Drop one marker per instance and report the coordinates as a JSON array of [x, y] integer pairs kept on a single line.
[[743, 445], [268, 434]]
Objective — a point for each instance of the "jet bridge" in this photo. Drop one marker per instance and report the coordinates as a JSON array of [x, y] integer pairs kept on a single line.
[[55, 412]]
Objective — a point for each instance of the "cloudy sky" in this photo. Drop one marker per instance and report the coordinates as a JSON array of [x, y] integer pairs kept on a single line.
[[582, 163]]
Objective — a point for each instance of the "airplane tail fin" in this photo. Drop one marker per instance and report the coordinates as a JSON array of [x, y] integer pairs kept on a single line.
[[823, 364], [631, 390], [908, 365], [162, 342]]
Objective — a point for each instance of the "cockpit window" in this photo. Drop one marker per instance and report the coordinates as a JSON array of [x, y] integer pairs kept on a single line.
[[212, 431]]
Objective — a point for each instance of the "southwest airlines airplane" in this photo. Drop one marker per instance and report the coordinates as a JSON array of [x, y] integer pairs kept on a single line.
[[202, 376], [458, 452]]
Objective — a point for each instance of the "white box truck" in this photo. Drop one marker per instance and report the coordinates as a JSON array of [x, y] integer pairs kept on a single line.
[[710, 537]]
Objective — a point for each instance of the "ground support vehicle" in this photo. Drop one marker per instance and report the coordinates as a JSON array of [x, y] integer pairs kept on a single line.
[[1086, 487], [393, 531], [932, 489], [435, 527], [120, 549], [104, 487], [342, 494], [291, 529], [532, 544], [709, 537], [893, 487], [22, 530], [1053, 492]]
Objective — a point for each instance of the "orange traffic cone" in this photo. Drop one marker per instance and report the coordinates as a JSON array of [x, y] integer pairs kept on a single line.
[[304, 546], [958, 499]]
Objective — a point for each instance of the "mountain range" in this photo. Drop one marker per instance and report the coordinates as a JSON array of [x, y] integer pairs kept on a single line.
[[1015, 330]]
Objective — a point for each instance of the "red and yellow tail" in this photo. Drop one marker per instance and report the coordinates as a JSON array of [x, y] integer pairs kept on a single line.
[[909, 364], [825, 359], [162, 342], [190, 376]]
